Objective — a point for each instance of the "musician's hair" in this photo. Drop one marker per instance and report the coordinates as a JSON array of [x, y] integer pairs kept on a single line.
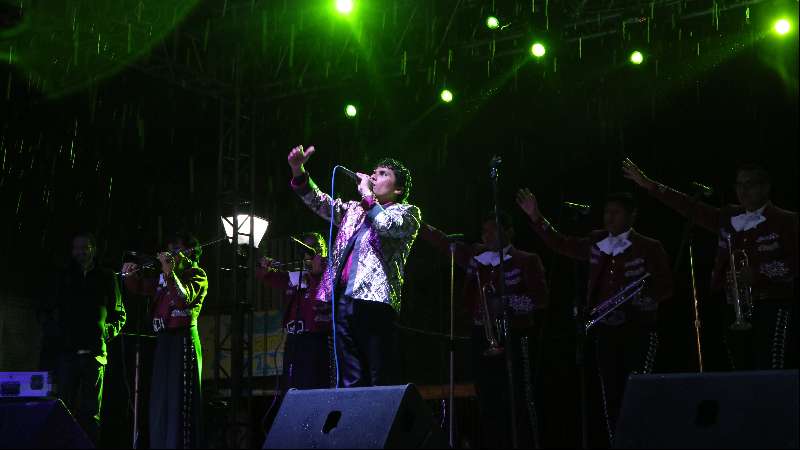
[[320, 246], [505, 219], [89, 236], [189, 241], [759, 170], [625, 199], [402, 176]]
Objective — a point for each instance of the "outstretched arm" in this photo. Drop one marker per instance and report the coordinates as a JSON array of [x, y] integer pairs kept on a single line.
[[703, 214], [304, 186], [571, 246]]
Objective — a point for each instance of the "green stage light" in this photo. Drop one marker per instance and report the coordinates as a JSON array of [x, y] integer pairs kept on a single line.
[[782, 26], [446, 96], [492, 22], [350, 111], [637, 57], [538, 50], [344, 6]]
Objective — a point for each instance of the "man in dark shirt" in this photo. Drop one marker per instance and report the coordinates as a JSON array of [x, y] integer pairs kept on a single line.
[[86, 311]]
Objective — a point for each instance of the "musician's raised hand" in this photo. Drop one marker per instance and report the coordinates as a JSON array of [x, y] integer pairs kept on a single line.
[[297, 159], [632, 172], [527, 202]]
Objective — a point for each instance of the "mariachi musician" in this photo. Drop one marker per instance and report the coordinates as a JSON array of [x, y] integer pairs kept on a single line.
[[526, 295], [306, 320], [762, 240], [621, 261]]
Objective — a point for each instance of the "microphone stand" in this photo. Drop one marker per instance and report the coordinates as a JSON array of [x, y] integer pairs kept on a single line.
[[451, 344], [686, 241], [494, 175], [578, 313]]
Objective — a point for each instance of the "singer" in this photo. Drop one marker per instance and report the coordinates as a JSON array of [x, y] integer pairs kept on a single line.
[[768, 236], [366, 270], [626, 340], [176, 298]]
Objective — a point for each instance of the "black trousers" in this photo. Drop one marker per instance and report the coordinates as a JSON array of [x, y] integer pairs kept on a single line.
[[307, 361], [771, 343], [492, 387], [366, 343], [79, 383], [621, 350], [175, 396]]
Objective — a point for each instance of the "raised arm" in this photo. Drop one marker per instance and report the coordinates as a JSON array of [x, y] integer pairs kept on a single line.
[[571, 246], [435, 237], [703, 214], [304, 186]]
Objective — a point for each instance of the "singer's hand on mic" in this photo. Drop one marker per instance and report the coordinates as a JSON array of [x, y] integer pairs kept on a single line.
[[298, 157], [632, 172], [364, 184], [527, 202]]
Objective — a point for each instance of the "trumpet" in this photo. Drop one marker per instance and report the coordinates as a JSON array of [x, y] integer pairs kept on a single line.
[[605, 308], [153, 261], [490, 324], [738, 290]]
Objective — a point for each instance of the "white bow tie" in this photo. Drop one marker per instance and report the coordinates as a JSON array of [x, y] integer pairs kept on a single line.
[[613, 245], [492, 258], [747, 220]]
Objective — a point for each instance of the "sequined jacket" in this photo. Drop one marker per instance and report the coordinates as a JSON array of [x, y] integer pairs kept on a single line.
[[609, 274], [379, 239], [771, 246]]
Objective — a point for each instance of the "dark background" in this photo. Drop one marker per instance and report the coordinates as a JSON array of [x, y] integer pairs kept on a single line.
[[110, 150]]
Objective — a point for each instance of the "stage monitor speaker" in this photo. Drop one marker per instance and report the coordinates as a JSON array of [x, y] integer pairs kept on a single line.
[[710, 410], [39, 424], [372, 417]]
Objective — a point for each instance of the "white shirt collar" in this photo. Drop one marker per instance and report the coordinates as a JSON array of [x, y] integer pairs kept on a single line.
[[492, 258], [614, 245], [748, 219]]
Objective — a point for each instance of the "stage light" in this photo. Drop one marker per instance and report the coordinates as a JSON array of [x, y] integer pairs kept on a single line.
[[782, 26], [446, 96], [350, 111], [492, 22], [637, 57], [243, 221], [538, 50], [344, 6]]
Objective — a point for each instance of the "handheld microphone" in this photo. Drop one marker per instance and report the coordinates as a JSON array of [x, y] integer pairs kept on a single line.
[[455, 237], [702, 188], [349, 173], [580, 208]]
